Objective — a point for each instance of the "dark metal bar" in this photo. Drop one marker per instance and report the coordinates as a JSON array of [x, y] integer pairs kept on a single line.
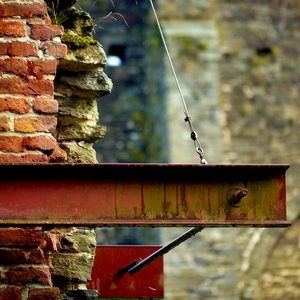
[[124, 270], [165, 249]]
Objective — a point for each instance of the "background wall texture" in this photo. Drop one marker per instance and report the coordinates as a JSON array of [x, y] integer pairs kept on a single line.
[[238, 66]]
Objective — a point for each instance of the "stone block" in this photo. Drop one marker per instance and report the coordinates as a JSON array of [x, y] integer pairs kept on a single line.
[[90, 84], [80, 152], [84, 59], [72, 267], [83, 131]]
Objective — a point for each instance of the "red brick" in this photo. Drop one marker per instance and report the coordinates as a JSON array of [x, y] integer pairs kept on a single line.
[[40, 67], [37, 257], [58, 155], [15, 105], [23, 159], [4, 123], [18, 48], [53, 241], [13, 65], [2, 11], [12, 28], [11, 256], [35, 124], [21, 275], [11, 144], [4, 48], [26, 86], [42, 142], [24, 10], [11, 236], [44, 294], [10, 293], [44, 105], [55, 49], [46, 32]]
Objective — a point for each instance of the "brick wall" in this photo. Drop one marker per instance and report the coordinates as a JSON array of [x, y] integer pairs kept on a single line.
[[29, 51], [25, 269]]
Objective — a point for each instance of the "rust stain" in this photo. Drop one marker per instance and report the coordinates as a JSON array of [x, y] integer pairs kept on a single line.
[[143, 206], [209, 203], [183, 201], [165, 204], [135, 212]]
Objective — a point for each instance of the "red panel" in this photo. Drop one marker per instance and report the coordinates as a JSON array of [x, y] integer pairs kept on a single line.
[[147, 283]]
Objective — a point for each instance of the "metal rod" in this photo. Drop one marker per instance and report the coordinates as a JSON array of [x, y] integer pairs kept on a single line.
[[170, 59], [165, 249], [124, 270], [188, 119]]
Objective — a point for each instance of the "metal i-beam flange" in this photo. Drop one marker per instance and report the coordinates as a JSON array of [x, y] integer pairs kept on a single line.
[[143, 195]]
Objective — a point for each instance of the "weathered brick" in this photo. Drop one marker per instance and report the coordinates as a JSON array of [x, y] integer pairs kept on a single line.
[[42, 142], [2, 10], [58, 155], [26, 86], [44, 294], [23, 159], [19, 48], [39, 67], [10, 293], [12, 28], [11, 144], [4, 48], [11, 256], [45, 32], [26, 274], [55, 49], [15, 105], [53, 241], [25, 10], [37, 256], [44, 105], [4, 123], [11, 236], [35, 124], [13, 65]]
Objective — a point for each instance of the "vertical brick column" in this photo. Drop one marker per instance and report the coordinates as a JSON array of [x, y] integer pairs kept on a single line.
[[29, 51]]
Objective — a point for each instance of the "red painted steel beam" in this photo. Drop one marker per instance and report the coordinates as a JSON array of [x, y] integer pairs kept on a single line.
[[143, 195]]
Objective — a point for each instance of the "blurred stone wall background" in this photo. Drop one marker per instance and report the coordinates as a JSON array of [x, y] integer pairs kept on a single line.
[[238, 65]]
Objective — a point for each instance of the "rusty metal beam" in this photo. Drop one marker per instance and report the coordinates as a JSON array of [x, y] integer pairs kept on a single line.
[[143, 195]]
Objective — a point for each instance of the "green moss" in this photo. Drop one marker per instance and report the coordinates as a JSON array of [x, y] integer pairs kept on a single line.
[[75, 41]]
